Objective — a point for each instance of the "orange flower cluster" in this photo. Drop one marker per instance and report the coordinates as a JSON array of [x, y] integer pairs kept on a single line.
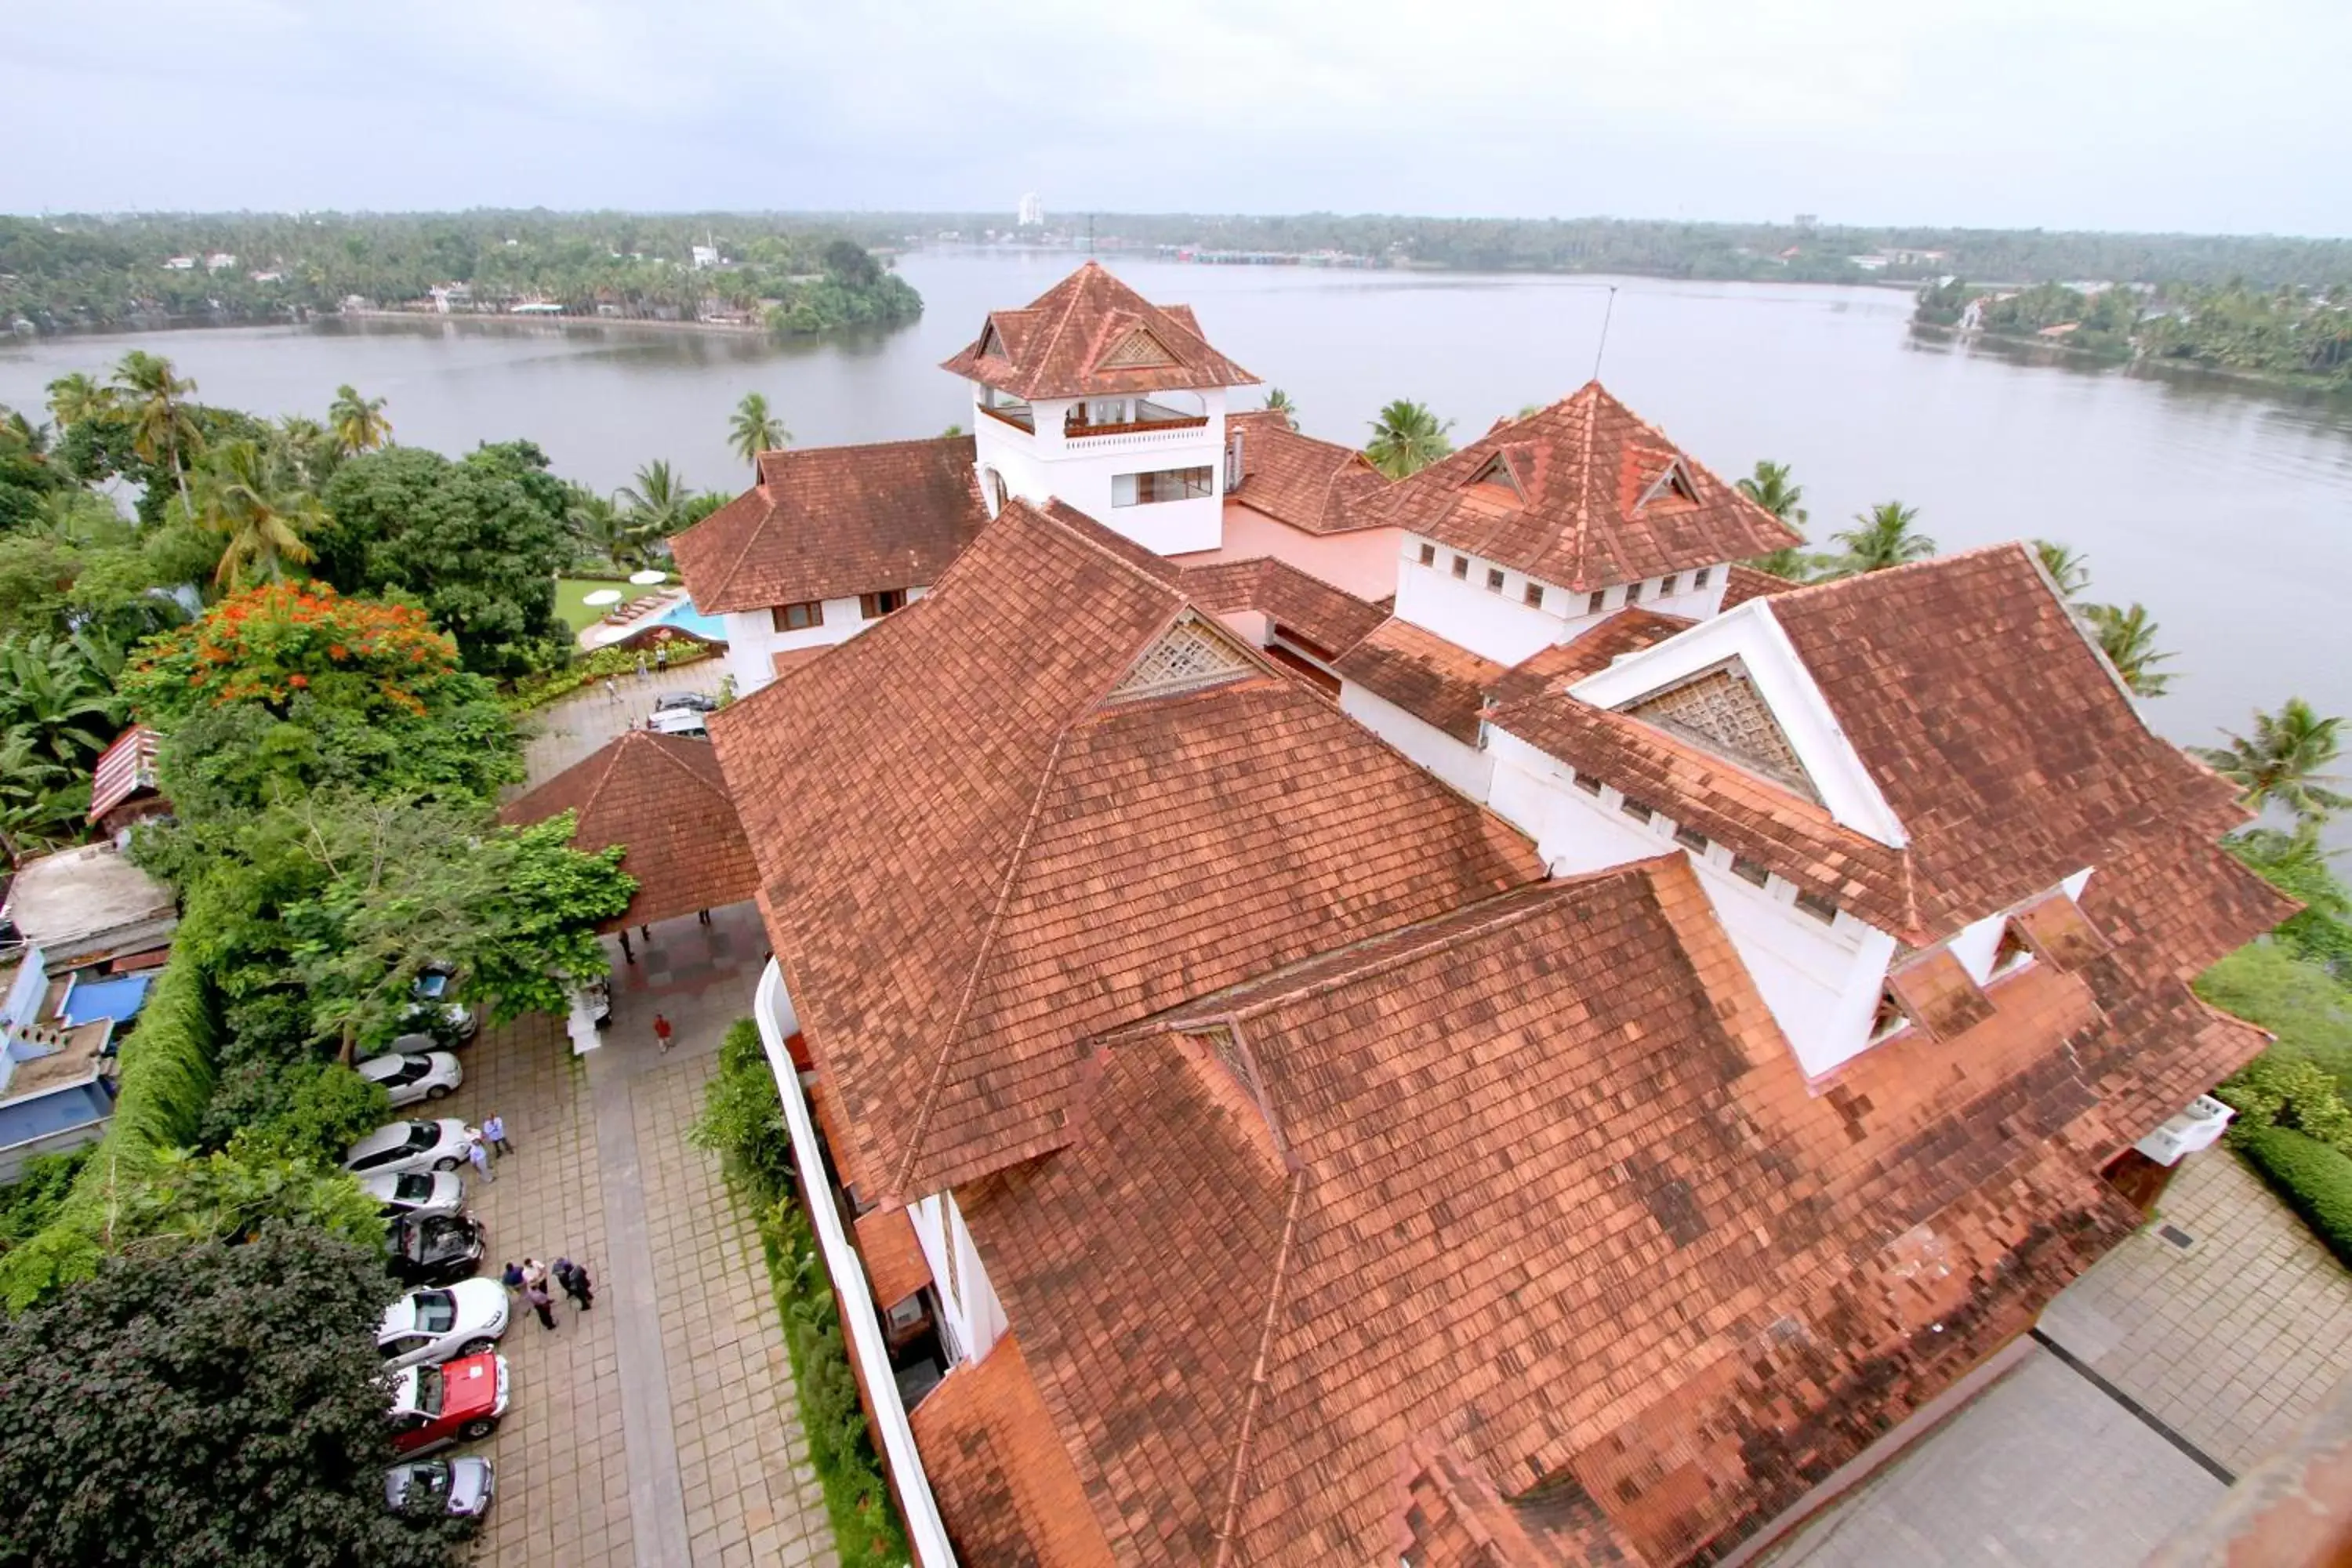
[[268, 643]]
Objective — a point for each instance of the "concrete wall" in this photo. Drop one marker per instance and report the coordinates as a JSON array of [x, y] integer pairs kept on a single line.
[[1465, 768], [1500, 625], [1046, 464], [16, 1156], [752, 641]]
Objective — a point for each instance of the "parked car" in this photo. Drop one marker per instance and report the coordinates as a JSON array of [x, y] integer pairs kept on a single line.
[[679, 721], [458, 1401], [462, 1486], [694, 699], [435, 1020], [433, 1249], [427, 1326], [408, 1146], [415, 1191], [414, 1075]]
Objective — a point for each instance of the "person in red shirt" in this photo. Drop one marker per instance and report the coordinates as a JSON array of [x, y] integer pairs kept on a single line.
[[662, 1032]]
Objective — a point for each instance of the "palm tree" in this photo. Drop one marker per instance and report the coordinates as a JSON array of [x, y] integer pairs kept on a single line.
[[600, 530], [1278, 401], [657, 503], [754, 430], [2281, 760], [263, 520], [1882, 538], [358, 423], [76, 397], [1770, 488], [2128, 639], [308, 448], [163, 429], [2067, 569], [1406, 438]]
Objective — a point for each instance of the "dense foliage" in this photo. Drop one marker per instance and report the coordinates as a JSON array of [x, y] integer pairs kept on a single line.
[[743, 1119], [2286, 331], [2315, 1179], [214, 1405], [83, 271]]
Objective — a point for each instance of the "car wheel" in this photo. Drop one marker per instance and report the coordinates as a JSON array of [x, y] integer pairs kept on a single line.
[[438, 1091], [474, 1431], [477, 1347], [448, 1164]]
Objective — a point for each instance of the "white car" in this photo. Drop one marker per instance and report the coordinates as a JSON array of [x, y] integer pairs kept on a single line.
[[426, 1328], [408, 1146], [412, 1077], [419, 1193]]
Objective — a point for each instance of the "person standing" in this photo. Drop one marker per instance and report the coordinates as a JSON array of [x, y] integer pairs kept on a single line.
[[641, 669], [480, 1153], [575, 1283], [661, 656], [512, 1277], [612, 692], [662, 1031], [535, 1292], [494, 1130]]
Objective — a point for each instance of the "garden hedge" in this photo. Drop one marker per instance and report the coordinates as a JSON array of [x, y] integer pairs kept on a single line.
[[2315, 1179]]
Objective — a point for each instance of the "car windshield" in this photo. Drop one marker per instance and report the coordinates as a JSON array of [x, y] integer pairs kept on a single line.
[[414, 1187], [437, 1311], [410, 1070], [429, 1390], [422, 1135]]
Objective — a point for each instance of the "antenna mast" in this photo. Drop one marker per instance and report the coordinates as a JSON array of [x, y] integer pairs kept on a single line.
[[1607, 312]]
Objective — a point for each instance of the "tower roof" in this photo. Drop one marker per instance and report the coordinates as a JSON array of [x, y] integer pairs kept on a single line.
[[1090, 335]]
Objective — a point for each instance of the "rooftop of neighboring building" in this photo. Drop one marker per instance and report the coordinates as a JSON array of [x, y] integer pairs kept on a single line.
[[1538, 1183], [1051, 796], [1440, 683], [830, 522], [1090, 335], [1582, 495], [1315, 487], [1303, 605], [78, 903]]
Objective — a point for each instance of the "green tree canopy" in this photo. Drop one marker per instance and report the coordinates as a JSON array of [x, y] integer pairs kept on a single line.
[[476, 541], [753, 429], [1406, 438], [2284, 761], [213, 1406], [358, 423], [2127, 636], [1770, 488], [1880, 538]]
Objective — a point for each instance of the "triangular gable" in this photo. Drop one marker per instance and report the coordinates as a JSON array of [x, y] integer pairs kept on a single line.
[[1720, 709], [1191, 653], [1140, 350], [991, 343], [1673, 483], [1498, 470]]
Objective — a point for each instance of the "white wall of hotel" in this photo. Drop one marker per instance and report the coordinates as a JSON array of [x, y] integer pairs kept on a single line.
[[1483, 605], [1465, 768], [772, 1008], [1096, 473], [754, 637]]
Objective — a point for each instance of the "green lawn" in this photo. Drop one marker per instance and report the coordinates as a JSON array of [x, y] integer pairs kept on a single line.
[[571, 591]]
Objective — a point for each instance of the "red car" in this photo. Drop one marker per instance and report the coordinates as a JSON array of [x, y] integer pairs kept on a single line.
[[458, 1402]]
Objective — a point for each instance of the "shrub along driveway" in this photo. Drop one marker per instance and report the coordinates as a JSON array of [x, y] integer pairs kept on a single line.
[[659, 1429]]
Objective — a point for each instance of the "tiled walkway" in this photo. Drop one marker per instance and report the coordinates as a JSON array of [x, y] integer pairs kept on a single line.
[[2228, 1341], [563, 733], [660, 1428]]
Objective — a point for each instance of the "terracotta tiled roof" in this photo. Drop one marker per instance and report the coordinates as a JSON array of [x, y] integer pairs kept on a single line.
[[1590, 504], [1005, 1486], [825, 522], [1091, 335], [2003, 744], [1539, 1185], [1742, 584], [1317, 487], [895, 1265], [1564, 664], [664, 797], [1333, 620], [972, 859], [1435, 680]]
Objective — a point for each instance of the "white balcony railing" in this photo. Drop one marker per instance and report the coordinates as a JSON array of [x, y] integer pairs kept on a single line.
[[925, 1533]]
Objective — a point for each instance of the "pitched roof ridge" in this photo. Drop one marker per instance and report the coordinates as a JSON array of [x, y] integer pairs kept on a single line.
[[1086, 274], [952, 1034], [1046, 514], [1584, 477], [1286, 1255], [612, 756], [1829, 587], [676, 758]]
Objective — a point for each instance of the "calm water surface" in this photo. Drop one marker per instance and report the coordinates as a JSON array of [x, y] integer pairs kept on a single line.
[[2226, 508]]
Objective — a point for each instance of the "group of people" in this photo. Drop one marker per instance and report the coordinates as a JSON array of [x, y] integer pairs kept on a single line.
[[529, 1280], [480, 1141]]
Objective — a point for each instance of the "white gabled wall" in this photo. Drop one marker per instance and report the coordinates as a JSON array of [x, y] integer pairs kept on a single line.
[[1081, 471], [1500, 624], [967, 1299], [1465, 768], [1822, 981], [753, 641]]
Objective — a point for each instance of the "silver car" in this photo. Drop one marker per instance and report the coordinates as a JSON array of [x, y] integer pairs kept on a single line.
[[463, 1486], [409, 1146], [415, 1191], [426, 1328], [410, 1077]]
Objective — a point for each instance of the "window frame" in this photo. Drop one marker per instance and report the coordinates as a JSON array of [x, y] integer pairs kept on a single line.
[[1534, 597], [1701, 578], [870, 606], [1462, 568], [1429, 555], [779, 616], [1493, 579], [1596, 601], [1633, 595], [1815, 907]]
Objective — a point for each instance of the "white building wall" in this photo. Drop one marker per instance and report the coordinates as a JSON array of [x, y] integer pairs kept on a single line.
[[1821, 980], [1046, 465], [1500, 625], [967, 1297], [1463, 767], [753, 641]]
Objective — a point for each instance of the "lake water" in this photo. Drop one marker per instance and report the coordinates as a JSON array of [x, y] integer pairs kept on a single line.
[[2226, 508]]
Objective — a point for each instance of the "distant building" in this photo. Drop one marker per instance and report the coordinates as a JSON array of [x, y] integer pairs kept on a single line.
[[1031, 212], [180, 264], [1875, 262], [705, 258], [218, 260], [1807, 221], [271, 276]]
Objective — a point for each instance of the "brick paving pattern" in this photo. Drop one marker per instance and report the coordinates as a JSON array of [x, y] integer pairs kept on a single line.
[[676, 1385], [2230, 1340], [563, 733]]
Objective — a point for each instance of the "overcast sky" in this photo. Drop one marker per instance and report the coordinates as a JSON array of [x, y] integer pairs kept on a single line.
[[2159, 114]]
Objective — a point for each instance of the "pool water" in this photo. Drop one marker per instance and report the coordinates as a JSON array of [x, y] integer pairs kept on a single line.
[[686, 618]]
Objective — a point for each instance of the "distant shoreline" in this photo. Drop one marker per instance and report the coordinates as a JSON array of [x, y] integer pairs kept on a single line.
[[624, 323]]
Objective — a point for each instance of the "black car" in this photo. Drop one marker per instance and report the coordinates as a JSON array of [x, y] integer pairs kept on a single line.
[[433, 1249], [693, 700]]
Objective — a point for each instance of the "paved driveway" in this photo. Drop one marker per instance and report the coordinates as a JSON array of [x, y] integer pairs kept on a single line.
[[658, 1428], [561, 734]]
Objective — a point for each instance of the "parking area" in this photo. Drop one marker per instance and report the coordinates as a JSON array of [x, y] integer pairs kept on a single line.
[[660, 1427], [561, 734]]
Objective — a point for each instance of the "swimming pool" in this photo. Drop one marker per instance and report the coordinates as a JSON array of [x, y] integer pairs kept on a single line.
[[686, 618]]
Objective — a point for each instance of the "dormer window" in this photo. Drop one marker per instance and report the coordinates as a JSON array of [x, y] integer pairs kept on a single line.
[[1497, 473], [991, 343], [2013, 954], [1674, 485], [1890, 1020]]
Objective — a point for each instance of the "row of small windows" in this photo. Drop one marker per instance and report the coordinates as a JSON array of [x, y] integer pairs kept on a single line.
[[1595, 602], [810, 613], [1753, 872]]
